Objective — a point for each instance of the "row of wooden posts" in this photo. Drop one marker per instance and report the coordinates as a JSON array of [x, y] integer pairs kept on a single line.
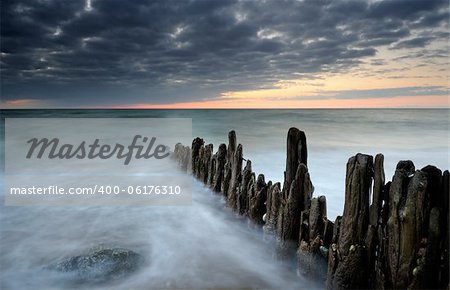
[[391, 234]]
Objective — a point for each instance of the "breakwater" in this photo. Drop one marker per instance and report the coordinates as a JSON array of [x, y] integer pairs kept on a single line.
[[391, 234]]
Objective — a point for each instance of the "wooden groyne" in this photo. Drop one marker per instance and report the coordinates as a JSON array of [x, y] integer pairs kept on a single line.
[[391, 234]]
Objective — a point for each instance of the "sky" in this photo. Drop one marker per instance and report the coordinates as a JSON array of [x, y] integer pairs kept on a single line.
[[224, 54]]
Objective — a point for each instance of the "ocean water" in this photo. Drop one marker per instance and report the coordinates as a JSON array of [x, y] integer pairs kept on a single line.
[[205, 245]]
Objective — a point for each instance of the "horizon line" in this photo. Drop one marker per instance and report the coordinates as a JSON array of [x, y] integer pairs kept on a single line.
[[215, 108]]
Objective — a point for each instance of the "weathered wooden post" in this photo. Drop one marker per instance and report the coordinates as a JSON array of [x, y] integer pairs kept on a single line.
[[297, 191], [346, 269]]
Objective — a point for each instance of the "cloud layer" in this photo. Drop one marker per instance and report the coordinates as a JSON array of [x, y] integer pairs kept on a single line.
[[116, 51]]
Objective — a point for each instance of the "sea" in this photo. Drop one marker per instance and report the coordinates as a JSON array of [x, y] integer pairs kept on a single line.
[[205, 245]]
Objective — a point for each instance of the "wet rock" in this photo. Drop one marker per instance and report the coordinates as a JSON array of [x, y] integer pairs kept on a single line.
[[100, 266]]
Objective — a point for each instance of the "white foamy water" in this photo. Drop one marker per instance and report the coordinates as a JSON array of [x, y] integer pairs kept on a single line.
[[199, 246], [205, 245]]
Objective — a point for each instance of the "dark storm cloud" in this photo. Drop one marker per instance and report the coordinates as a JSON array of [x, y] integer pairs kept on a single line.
[[414, 43], [166, 51]]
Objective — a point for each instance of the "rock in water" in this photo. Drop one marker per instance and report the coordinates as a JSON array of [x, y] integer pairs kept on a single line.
[[100, 266]]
